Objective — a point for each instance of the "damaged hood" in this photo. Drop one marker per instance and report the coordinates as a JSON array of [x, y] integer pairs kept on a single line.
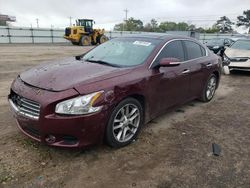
[[230, 52], [65, 74]]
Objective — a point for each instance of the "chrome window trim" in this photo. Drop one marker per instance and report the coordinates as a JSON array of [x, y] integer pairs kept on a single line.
[[178, 40]]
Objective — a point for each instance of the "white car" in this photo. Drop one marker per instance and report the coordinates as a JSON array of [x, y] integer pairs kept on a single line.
[[238, 54]]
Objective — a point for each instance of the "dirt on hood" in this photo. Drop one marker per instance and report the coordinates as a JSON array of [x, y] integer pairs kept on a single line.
[[66, 73]]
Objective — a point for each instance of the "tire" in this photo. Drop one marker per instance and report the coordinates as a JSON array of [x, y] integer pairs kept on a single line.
[[101, 39], [209, 89], [85, 41], [120, 131], [75, 43]]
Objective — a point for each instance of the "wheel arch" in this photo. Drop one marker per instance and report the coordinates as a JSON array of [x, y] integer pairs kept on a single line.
[[141, 99], [217, 74]]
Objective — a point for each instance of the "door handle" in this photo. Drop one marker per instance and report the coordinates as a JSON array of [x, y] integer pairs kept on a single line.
[[209, 65], [185, 71]]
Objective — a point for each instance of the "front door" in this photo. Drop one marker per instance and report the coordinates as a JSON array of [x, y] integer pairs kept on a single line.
[[169, 84]]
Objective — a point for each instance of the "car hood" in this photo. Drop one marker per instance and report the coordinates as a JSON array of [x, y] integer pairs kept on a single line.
[[230, 52], [67, 73]]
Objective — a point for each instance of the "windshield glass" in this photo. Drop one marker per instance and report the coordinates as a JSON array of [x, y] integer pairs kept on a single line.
[[123, 52], [241, 44], [219, 42]]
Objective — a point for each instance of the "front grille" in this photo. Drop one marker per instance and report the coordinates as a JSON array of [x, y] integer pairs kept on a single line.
[[240, 59], [67, 31], [25, 106]]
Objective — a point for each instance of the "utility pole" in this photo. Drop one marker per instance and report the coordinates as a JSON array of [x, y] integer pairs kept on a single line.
[[126, 18], [70, 21], [37, 23], [126, 14]]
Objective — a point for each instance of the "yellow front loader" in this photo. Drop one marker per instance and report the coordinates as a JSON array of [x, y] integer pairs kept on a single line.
[[83, 34]]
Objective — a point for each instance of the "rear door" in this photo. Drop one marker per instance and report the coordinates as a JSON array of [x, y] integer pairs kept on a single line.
[[199, 66]]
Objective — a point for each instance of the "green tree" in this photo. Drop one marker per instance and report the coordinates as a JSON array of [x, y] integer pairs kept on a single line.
[[130, 25], [244, 20], [167, 26], [224, 25], [152, 26], [134, 25], [172, 26], [213, 29], [182, 26], [200, 30], [119, 27]]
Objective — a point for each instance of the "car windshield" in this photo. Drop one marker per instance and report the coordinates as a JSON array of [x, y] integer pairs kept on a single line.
[[122, 52], [241, 44], [219, 42]]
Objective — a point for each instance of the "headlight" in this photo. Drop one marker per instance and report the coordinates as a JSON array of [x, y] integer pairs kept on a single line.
[[216, 47], [226, 60], [79, 105]]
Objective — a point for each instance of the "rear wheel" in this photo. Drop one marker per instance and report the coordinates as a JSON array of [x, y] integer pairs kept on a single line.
[[101, 39], [209, 90], [85, 41], [125, 123]]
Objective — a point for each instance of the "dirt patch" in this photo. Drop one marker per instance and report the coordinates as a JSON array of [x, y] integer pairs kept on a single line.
[[173, 150]]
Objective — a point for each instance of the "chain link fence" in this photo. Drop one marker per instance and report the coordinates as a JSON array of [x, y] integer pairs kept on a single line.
[[15, 35]]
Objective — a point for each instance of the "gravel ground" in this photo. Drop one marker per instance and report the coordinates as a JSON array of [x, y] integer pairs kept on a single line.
[[174, 150]]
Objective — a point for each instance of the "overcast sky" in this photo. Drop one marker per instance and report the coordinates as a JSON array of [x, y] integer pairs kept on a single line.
[[107, 13]]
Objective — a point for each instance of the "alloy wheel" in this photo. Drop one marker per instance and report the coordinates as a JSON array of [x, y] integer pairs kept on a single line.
[[126, 122], [211, 86]]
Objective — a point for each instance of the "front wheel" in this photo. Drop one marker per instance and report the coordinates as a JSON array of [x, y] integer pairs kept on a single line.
[[85, 41], [101, 39], [209, 89], [125, 123]]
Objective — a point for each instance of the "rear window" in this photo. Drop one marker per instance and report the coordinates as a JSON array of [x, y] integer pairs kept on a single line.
[[194, 50]]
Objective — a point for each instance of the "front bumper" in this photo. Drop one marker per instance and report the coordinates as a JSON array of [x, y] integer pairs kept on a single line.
[[244, 66], [53, 129], [71, 38]]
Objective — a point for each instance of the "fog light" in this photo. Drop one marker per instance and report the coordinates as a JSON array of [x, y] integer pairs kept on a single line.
[[50, 139]]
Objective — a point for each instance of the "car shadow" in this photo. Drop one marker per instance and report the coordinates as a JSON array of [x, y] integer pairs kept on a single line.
[[240, 73]]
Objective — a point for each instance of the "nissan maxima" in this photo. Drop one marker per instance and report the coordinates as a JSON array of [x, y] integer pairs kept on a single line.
[[110, 92]]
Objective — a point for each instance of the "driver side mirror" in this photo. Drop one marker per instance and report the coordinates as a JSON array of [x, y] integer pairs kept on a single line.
[[169, 62]]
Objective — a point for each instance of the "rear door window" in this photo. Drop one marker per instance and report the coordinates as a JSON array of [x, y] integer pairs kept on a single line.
[[194, 50]]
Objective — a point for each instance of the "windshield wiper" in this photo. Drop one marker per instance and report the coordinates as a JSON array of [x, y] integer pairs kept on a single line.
[[79, 57], [101, 62]]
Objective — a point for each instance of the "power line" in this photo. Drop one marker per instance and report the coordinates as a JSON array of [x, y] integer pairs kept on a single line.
[[203, 18]]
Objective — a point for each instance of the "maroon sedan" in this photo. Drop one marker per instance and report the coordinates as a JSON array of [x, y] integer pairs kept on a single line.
[[111, 91]]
